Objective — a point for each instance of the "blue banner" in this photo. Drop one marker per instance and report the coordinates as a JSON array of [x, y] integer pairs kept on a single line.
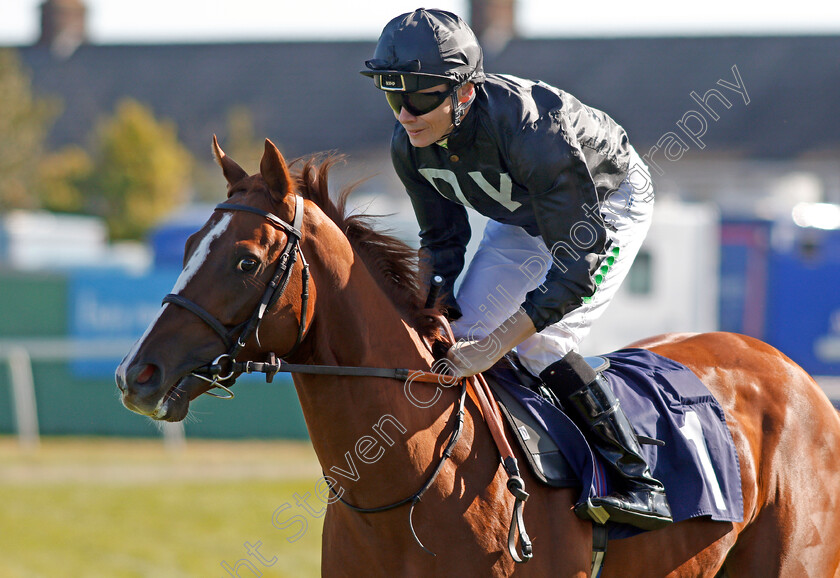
[[113, 307]]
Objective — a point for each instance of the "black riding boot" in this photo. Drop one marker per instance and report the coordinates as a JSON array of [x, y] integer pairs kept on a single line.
[[639, 499]]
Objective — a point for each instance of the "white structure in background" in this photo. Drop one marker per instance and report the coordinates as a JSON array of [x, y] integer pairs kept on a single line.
[[672, 286], [31, 241]]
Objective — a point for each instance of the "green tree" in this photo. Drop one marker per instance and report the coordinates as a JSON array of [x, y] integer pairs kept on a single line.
[[238, 139], [242, 142], [62, 179], [140, 171], [24, 123]]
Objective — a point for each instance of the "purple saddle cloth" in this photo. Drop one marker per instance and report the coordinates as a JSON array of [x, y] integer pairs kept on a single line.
[[663, 400]]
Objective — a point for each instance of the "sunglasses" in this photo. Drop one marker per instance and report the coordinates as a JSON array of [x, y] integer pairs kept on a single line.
[[417, 103]]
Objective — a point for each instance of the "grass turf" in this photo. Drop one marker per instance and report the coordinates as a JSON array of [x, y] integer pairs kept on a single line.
[[92, 508]]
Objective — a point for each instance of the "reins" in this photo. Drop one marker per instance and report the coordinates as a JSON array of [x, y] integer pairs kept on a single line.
[[515, 483], [481, 392], [276, 365], [416, 496]]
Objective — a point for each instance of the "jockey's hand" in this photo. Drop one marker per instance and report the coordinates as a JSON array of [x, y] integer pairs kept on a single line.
[[467, 358]]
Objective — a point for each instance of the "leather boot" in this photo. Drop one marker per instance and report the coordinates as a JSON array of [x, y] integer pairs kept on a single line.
[[639, 498]]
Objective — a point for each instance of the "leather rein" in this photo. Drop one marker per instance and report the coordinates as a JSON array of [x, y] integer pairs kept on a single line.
[[213, 373]]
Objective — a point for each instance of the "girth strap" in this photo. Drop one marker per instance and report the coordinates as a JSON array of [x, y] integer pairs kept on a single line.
[[600, 537]]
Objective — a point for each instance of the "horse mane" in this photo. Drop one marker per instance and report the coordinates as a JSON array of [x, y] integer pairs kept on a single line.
[[393, 263]]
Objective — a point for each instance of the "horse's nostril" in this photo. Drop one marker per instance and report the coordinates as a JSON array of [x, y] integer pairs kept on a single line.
[[142, 379], [145, 374]]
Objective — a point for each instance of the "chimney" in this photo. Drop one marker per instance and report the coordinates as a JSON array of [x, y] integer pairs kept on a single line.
[[493, 22], [63, 26]]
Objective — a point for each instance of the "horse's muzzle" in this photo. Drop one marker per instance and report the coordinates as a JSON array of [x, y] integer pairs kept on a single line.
[[140, 385], [143, 391]]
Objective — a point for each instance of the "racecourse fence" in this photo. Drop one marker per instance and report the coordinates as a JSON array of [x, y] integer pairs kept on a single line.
[[63, 334], [50, 393]]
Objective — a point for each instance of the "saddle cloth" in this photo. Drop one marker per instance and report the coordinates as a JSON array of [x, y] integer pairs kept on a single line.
[[663, 400]]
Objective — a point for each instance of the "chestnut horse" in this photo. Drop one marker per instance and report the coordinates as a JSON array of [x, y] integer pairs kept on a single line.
[[364, 307]]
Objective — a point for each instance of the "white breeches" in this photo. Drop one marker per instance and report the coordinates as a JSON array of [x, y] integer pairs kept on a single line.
[[509, 263]]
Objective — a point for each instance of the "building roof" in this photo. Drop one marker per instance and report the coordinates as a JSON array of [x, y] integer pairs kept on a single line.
[[308, 96]]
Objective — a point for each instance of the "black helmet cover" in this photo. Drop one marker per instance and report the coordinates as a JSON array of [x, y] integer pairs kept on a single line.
[[425, 48]]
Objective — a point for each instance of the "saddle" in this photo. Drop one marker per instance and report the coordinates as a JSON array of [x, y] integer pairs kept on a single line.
[[664, 400], [546, 460]]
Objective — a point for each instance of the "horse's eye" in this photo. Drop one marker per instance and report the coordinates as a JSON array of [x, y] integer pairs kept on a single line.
[[247, 264]]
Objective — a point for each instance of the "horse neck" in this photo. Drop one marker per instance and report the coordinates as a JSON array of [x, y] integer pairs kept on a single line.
[[358, 325], [355, 321]]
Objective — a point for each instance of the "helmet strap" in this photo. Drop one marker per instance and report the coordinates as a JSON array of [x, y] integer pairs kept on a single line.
[[459, 108]]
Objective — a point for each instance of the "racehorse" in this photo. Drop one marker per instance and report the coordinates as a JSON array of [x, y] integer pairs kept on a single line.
[[331, 290]]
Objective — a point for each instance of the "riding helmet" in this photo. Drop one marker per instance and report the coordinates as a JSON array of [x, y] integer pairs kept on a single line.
[[423, 48]]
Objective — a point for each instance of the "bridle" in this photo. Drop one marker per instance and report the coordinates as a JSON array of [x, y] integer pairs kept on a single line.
[[212, 373], [236, 337]]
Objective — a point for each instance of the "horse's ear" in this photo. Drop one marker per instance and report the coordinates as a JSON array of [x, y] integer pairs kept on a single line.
[[232, 171], [275, 171]]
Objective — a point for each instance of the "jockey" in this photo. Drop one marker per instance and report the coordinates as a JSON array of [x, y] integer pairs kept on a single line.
[[569, 203]]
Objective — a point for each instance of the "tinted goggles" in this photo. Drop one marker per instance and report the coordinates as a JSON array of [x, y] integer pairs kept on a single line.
[[417, 103]]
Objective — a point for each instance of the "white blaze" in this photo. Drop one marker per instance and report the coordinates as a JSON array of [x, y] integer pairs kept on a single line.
[[197, 259]]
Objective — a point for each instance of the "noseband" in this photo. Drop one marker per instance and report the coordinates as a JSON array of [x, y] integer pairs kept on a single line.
[[212, 372]]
